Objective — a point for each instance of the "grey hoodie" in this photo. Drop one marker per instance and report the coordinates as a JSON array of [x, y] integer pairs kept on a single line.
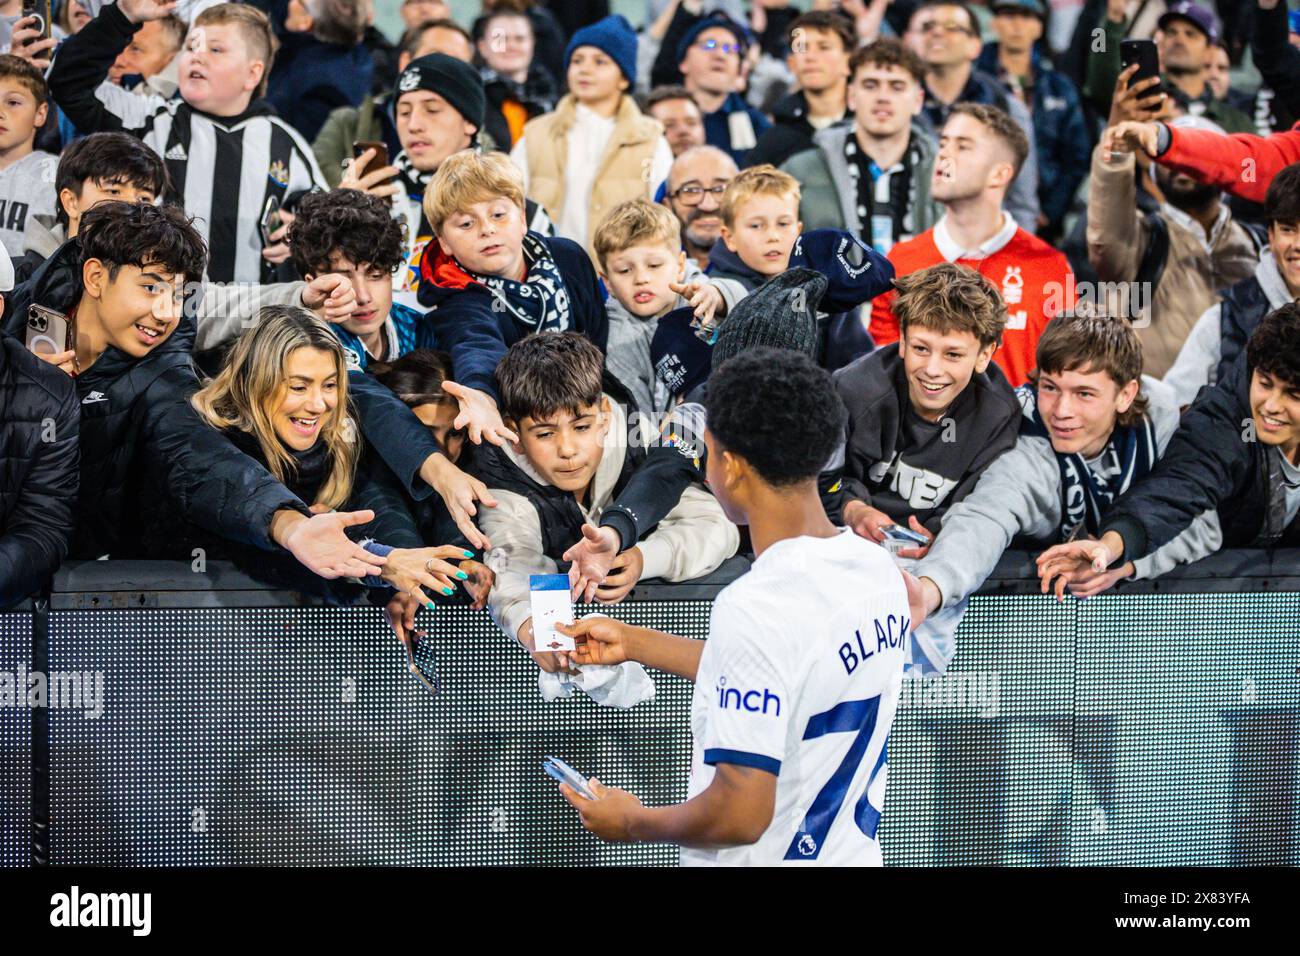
[[1019, 495]]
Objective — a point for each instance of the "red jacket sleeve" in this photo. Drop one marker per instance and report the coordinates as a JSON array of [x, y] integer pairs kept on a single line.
[[1242, 164]]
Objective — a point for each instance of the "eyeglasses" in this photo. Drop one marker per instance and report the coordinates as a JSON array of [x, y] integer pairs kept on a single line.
[[711, 45], [692, 194], [427, 663], [951, 26]]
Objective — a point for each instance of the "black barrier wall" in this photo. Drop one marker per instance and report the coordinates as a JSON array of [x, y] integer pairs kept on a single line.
[[219, 723]]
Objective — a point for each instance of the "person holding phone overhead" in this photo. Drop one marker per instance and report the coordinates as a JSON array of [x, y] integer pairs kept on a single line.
[[438, 105], [39, 477]]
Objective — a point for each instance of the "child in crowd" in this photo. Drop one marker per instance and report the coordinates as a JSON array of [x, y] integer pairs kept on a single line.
[[1229, 478], [121, 283], [928, 413], [117, 167], [762, 237], [572, 458], [351, 233], [26, 174], [638, 250], [1092, 425], [437, 111], [231, 159], [489, 279], [597, 149]]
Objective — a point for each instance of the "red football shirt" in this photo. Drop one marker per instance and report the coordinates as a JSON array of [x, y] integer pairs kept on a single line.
[[1035, 281]]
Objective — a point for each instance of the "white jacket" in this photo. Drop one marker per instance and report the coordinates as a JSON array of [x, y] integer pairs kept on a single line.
[[690, 542]]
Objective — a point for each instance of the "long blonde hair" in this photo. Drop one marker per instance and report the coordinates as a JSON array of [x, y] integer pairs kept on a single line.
[[252, 383]]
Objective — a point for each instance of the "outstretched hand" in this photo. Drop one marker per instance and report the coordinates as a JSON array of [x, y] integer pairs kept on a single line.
[[590, 561]]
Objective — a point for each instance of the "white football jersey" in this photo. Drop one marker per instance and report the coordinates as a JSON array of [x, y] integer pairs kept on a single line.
[[801, 677]]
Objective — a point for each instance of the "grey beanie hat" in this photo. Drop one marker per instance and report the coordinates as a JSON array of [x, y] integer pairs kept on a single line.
[[781, 313]]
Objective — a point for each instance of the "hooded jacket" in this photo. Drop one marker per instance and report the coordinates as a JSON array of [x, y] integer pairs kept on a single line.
[[136, 417], [903, 465], [1207, 468], [691, 540], [477, 335], [828, 196], [1220, 334], [39, 457]]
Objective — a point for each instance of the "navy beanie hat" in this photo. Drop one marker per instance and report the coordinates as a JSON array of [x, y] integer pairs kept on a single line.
[[715, 19], [615, 37]]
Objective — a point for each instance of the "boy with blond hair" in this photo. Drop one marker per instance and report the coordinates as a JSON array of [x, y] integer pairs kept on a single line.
[[762, 238], [232, 161], [488, 279], [638, 249]]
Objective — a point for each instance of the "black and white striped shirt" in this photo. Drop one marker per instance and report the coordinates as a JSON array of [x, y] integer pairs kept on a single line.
[[223, 169]]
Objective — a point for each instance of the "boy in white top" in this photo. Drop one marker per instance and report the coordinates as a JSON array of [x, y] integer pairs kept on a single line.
[[797, 685]]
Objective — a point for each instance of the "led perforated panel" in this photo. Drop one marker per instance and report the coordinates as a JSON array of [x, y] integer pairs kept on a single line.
[[1123, 730], [15, 741], [296, 736], [1144, 729]]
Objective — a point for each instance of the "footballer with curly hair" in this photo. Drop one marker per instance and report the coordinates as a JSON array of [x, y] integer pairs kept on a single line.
[[797, 685]]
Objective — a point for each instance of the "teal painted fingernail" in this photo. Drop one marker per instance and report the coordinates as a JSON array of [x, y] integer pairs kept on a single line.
[[448, 591], [468, 554], [462, 575], [431, 606]]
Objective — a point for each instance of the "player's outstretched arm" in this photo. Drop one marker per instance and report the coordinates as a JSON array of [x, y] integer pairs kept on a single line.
[[603, 640], [734, 810]]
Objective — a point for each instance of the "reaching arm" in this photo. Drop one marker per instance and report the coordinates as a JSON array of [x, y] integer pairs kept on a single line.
[[78, 74]]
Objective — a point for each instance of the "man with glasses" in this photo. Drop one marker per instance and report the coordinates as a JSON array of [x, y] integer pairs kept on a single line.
[[946, 36], [709, 57], [696, 182]]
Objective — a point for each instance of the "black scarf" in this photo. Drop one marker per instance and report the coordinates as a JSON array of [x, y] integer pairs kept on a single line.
[[541, 301], [1085, 495]]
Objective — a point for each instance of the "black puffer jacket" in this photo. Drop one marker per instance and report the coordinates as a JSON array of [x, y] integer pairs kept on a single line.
[[1210, 463], [135, 415], [38, 469]]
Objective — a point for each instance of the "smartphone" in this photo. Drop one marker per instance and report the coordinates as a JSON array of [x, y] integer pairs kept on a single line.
[[48, 332], [381, 155], [898, 538], [561, 771], [1143, 53], [270, 221], [41, 10]]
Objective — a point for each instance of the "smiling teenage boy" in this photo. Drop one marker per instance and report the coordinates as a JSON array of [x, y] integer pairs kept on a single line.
[[122, 283], [227, 152], [1232, 468], [572, 459], [793, 701], [928, 413], [1092, 425]]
